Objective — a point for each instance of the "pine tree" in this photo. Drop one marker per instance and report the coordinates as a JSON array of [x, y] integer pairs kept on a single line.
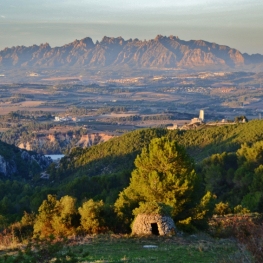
[[165, 174]]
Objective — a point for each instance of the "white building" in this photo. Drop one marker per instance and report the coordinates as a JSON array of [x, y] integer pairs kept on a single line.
[[202, 115]]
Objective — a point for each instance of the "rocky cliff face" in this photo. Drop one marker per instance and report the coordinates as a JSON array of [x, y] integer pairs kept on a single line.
[[60, 142], [14, 161], [161, 52]]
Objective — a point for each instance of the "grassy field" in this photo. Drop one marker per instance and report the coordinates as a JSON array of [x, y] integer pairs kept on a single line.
[[114, 248]]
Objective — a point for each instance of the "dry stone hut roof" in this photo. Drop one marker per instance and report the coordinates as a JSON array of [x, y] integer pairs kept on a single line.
[[153, 224]]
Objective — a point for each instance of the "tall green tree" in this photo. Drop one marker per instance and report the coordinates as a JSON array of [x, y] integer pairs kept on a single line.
[[165, 174]]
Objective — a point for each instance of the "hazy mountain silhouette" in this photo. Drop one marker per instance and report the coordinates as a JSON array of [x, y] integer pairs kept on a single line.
[[161, 52]]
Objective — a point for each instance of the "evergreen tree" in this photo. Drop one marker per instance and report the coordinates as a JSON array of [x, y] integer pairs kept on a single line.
[[165, 174], [43, 225]]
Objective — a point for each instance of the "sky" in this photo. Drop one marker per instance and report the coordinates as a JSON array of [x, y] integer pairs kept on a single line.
[[235, 23]]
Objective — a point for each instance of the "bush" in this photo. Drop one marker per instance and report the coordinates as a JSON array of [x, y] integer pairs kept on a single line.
[[239, 209], [186, 225], [92, 220], [222, 209]]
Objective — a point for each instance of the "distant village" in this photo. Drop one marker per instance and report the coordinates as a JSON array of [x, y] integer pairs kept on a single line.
[[67, 118]]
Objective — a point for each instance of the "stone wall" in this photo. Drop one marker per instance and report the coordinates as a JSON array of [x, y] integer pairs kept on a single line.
[[143, 224]]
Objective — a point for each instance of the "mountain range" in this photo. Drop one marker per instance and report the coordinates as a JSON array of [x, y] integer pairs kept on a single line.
[[159, 53]]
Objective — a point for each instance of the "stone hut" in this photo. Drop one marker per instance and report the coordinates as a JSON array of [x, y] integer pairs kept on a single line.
[[153, 224]]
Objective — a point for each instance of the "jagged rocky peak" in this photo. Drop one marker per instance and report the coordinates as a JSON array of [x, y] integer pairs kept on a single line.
[[45, 46], [173, 37], [112, 40], [159, 37], [201, 43], [87, 41]]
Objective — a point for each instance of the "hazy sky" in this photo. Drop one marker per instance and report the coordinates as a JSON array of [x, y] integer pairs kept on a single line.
[[236, 23]]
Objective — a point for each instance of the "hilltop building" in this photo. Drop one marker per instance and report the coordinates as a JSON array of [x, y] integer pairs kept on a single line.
[[174, 127], [202, 115], [199, 120]]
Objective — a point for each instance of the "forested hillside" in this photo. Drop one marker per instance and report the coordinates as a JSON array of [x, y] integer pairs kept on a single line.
[[227, 159], [119, 153]]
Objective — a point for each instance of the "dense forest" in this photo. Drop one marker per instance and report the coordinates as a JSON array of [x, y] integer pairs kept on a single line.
[[225, 164]]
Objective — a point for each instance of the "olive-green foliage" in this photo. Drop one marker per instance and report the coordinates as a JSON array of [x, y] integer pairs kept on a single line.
[[115, 155], [165, 174], [218, 171], [92, 220], [55, 217], [14, 199], [118, 154], [64, 221], [198, 216], [237, 178], [152, 208], [203, 211], [203, 143]]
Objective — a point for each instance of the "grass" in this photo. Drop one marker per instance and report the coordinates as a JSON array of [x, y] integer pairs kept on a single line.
[[114, 248], [198, 248], [124, 249]]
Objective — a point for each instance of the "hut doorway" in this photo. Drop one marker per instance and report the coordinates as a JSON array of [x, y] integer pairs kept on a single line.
[[155, 230]]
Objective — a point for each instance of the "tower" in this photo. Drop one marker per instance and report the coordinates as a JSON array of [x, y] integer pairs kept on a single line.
[[202, 115]]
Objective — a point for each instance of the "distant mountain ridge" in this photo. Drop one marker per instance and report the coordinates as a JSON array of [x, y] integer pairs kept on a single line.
[[161, 52]]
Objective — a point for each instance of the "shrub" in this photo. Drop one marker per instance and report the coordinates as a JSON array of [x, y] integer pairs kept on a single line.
[[222, 209], [239, 209], [186, 225], [92, 220]]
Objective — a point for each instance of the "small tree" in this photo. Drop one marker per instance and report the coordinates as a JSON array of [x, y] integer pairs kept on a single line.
[[63, 220], [92, 220], [43, 224], [55, 217]]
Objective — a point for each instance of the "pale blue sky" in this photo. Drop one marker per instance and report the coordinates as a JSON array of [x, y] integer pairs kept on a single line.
[[236, 23]]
